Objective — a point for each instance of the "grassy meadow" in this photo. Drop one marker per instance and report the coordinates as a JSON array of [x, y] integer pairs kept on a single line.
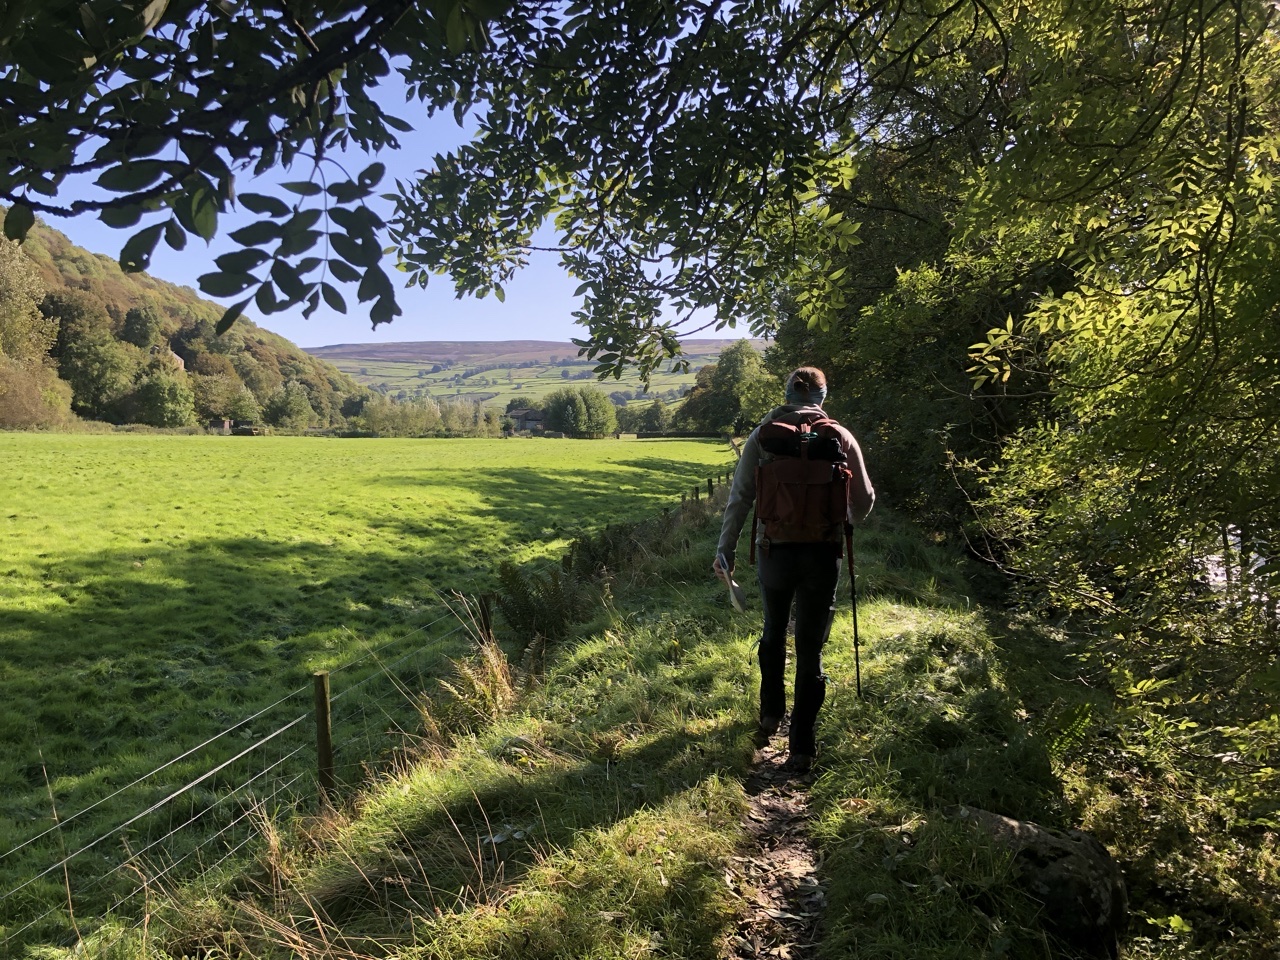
[[595, 804], [155, 590], [498, 387]]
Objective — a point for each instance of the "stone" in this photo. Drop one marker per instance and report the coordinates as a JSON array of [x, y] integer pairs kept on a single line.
[[1070, 872]]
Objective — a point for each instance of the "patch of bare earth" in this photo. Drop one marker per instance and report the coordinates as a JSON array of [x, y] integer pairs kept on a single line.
[[776, 872]]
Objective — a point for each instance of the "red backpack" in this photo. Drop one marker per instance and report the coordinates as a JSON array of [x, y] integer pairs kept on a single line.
[[802, 494]]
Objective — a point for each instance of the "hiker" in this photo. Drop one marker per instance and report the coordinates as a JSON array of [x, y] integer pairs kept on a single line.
[[799, 556]]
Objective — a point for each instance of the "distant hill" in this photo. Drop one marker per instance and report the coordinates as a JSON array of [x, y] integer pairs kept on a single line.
[[495, 372], [486, 351], [458, 351]]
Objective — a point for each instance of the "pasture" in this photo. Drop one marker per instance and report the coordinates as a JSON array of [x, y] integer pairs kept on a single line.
[[499, 386], [156, 589], [495, 373]]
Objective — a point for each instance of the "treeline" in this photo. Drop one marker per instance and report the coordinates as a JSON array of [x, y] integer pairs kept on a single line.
[[1057, 341], [728, 396]]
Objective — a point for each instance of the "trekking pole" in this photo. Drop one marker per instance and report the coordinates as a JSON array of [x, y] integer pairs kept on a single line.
[[853, 595]]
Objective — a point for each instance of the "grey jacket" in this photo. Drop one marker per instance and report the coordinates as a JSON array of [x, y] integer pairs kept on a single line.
[[742, 495]]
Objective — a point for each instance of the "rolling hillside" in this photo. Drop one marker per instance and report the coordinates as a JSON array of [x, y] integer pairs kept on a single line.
[[499, 370], [80, 336]]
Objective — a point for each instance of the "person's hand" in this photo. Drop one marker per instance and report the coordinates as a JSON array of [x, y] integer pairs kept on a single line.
[[719, 570]]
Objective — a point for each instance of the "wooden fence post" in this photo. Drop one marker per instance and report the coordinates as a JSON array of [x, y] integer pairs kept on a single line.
[[711, 488], [324, 735], [696, 490]]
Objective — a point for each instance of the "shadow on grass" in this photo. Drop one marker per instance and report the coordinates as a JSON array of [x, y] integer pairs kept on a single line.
[[585, 498]]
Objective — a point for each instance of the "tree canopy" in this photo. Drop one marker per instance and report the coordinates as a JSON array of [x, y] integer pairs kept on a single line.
[[684, 152]]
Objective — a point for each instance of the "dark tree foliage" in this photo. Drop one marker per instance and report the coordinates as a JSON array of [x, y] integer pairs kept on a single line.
[[677, 147]]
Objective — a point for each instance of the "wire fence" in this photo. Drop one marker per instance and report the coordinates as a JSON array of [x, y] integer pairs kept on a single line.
[[189, 815]]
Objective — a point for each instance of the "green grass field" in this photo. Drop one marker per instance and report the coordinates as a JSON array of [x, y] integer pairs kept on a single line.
[[157, 589]]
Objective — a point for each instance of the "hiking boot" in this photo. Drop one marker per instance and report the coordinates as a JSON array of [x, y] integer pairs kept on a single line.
[[798, 764], [767, 728]]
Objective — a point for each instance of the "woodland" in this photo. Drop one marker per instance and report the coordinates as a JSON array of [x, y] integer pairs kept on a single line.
[[81, 337], [1033, 245]]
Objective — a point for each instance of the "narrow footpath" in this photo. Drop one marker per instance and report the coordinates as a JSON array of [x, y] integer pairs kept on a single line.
[[776, 873]]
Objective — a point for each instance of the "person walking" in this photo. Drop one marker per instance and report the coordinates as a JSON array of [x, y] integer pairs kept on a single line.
[[798, 563]]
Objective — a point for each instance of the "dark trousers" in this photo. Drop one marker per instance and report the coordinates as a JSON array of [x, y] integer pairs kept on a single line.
[[805, 573]]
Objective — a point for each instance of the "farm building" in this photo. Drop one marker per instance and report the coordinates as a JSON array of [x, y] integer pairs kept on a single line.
[[524, 420]]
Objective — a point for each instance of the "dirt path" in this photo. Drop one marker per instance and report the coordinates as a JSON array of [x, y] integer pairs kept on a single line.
[[776, 873]]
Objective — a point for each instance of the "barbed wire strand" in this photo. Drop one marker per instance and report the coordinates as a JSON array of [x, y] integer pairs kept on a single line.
[[164, 766], [664, 516], [389, 643], [155, 806], [436, 641], [225, 797], [214, 866], [248, 812], [197, 781], [98, 881]]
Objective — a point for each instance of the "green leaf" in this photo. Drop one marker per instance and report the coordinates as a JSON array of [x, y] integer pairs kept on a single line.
[[136, 255], [343, 272], [18, 221], [174, 235], [94, 31], [233, 314], [133, 175], [241, 261], [225, 284], [197, 211], [372, 175], [384, 311], [302, 220], [347, 192], [303, 188], [260, 203], [265, 299], [295, 242], [375, 285], [333, 298], [121, 216], [256, 234], [151, 14], [352, 252], [288, 281]]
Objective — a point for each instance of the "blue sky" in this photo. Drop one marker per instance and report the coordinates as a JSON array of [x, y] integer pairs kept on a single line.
[[539, 300]]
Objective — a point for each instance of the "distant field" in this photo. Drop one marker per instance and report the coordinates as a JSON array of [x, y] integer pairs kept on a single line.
[[155, 589], [499, 371]]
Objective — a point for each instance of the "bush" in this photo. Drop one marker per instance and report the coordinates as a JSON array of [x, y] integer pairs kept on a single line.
[[539, 606], [32, 396]]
